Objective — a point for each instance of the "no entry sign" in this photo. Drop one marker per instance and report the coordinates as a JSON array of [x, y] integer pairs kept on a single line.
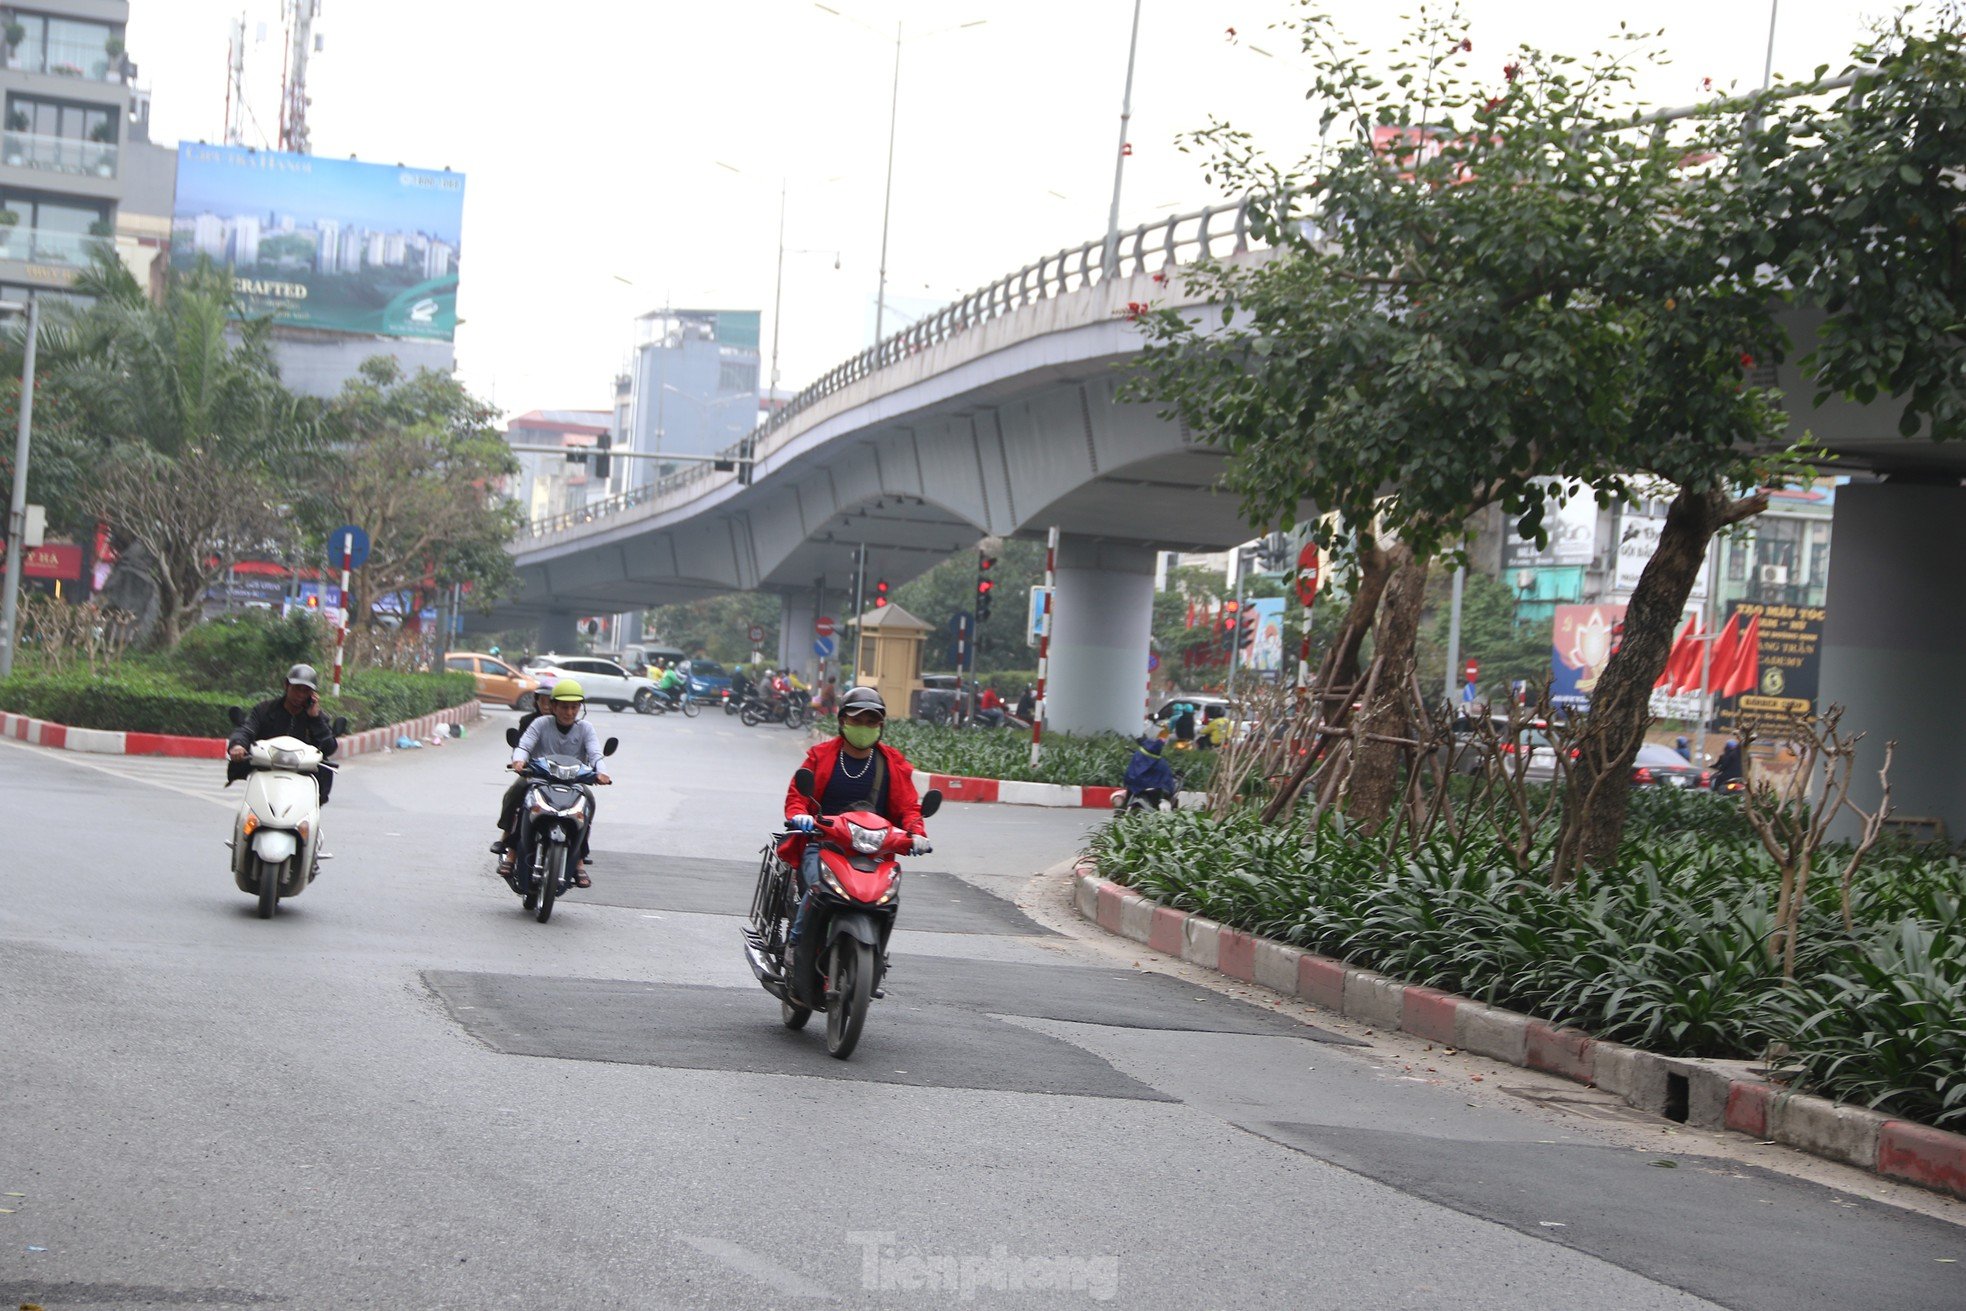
[[1307, 574]]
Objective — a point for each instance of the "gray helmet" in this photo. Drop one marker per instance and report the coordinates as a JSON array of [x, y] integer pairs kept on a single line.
[[305, 676], [862, 699]]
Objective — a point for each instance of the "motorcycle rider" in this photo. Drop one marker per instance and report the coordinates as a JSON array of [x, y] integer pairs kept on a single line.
[[508, 808], [673, 684], [565, 732], [1728, 767], [1148, 774], [295, 713], [852, 771], [740, 685]]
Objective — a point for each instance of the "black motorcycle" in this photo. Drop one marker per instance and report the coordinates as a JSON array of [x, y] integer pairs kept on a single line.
[[554, 815], [791, 709]]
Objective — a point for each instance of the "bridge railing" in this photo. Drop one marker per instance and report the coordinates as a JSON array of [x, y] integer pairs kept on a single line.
[[1213, 232]]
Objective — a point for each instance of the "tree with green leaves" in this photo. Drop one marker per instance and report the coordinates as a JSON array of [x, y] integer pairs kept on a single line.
[[949, 589], [718, 626], [416, 460], [1489, 283], [195, 442]]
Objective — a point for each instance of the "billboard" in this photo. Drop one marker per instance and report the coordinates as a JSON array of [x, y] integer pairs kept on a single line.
[[1787, 659], [1266, 656], [1580, 647], [1572, 531], [319, 243], [1638, 539]]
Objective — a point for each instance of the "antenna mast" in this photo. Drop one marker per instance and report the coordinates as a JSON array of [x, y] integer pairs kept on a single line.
[[293, 93], [235, 84]]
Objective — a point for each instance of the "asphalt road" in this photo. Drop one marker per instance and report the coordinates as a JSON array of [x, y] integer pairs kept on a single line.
[[402, 1092]]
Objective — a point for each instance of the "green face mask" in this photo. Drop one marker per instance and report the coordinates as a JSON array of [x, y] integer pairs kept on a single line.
[[861, 736]]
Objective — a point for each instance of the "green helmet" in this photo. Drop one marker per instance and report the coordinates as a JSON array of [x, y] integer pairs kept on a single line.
[[568, 689]]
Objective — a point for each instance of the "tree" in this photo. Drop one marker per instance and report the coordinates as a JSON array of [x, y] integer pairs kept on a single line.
[[718, 626], [1506, 650], [196, 436], [415, 461], [949, 589], [1486, 287]]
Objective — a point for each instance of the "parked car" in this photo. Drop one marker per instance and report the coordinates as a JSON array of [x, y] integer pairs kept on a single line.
[[638, 657], [1532, 740], [498, 682], [708, 680], [939, 701], [605, 682], [1657, 766]]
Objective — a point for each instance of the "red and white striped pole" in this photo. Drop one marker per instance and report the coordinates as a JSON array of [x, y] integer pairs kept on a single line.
[[1044, 641], [341, 638]]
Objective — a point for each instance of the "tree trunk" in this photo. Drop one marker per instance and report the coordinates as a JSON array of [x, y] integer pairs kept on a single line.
[[1375, 776], [1598, 784], [1339, 671]]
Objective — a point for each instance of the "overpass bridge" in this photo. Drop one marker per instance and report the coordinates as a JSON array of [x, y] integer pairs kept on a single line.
[[999, 415]]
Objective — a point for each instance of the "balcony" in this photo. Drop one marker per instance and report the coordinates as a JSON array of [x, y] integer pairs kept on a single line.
[[48, 246], [68, 155], [91, 63]]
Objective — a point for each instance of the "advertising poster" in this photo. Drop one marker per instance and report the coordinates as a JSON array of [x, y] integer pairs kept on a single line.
[[1638, 538], [1572, 528], [1266, 657], [1787, 658], [1580, 647], [333, 244]]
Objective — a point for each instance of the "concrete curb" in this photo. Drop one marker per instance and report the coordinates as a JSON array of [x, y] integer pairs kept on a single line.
[[96, 741], [1707, 1094], [1009, 792]]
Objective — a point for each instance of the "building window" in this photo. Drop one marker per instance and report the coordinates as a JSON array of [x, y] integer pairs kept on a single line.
[[52, 231], [67, 47], [737, 376], [60, 137]]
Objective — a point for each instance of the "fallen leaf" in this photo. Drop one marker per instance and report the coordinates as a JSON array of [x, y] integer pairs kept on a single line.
[[1667, 1165]]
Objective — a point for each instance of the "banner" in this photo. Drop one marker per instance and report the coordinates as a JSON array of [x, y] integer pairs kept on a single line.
[[1638, 539], [1266, 657], [324, 243], [1572, 527], [1580, 648], [1789, 652]]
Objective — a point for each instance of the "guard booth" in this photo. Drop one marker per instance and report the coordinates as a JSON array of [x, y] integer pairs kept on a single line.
[[889, 655]]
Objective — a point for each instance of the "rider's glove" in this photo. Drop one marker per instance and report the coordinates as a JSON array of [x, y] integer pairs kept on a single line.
[[803, 823], [921, 847]]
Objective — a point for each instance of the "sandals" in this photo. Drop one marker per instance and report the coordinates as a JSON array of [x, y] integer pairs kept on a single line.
[[507, 864], [580, 879]]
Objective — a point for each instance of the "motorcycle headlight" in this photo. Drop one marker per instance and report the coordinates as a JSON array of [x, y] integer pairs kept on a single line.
[[286, 759], [893, 889], [832, 883], [866, 841]]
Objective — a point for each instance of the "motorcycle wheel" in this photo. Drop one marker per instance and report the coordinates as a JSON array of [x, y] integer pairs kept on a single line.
[[750, 716], [549, 885], [269, 887], [689, 706], [616, 707], [852, 977], [795, 717], [792, 1015], [645, 702], [530, 872]]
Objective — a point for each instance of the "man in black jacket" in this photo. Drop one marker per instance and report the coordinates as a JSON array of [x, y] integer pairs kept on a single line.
[[296, 714]]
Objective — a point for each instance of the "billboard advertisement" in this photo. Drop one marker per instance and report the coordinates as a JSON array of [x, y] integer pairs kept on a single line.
[[1266, 656], [1580, 647], [1638, 538], [332, 244], [1786, 656], [1572, 530]]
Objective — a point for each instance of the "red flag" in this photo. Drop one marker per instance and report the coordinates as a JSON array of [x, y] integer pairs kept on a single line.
[[1191, 612], [1726, 654], [1746, 672], [1668, 676]]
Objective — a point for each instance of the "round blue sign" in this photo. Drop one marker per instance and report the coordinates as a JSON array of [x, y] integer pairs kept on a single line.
[[351, 541], [823, 647]]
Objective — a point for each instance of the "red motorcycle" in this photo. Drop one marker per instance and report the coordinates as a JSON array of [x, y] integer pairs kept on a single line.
[[854, 906]]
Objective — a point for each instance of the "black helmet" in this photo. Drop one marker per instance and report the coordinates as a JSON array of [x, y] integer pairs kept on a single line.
[[862, 699]]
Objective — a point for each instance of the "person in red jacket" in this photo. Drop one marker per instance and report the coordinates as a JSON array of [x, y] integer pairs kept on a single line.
[[853, 771]]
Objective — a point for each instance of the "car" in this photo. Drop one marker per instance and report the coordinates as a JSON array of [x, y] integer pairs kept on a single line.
[[1657, 766], [605, 682], [637, 658], [1531, 739], [498, 682], [1206, 708], [940, 700], [708, 680]]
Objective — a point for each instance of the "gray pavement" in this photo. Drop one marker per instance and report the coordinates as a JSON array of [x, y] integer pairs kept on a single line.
[[403, 1092]]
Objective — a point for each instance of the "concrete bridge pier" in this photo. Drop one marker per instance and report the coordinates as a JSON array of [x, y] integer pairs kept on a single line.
[[559, 633], [1102, 621], [795, 616], [1893, 636]]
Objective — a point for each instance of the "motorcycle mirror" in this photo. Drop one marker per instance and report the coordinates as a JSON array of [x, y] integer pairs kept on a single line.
[[236, 715], [608, 747], [931, 802], [511, 737], [803, 781], [340, 725]]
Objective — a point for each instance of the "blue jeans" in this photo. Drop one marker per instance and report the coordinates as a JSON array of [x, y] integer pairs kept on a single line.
[[808, 875]]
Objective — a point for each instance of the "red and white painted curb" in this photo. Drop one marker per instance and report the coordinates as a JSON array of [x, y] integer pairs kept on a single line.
[[105, 742], [1010, 792], [1708, 1094]]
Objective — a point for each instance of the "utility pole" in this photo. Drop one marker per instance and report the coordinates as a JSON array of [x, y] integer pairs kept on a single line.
[[851, 666], [887, 198], [1111, 260], [1454, 635], [17, 509]]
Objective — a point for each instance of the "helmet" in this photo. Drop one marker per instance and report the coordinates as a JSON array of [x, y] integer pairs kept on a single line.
[[568, 689], [1732, 743], [305, 676], [862, 699], [1681, 741]]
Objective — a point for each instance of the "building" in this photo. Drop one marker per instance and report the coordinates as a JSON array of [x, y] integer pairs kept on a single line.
[[548, 485], [694, 382], [78, 172]]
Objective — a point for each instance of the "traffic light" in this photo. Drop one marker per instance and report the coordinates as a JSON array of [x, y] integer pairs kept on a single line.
[[880, 594], [603, 463], [1248, 640], [1230, 619], [984, 585]]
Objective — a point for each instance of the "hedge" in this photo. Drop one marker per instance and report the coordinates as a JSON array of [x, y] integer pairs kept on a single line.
[[138, 699]]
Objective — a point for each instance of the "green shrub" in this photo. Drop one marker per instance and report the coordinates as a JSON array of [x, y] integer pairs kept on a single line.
[[141, 697], [254, 648], [1098, 761], [1667, 953]]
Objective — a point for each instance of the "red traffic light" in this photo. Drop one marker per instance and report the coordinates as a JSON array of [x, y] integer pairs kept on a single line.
[[985, 563], [983, 586], [880, 593], [1231, 606]]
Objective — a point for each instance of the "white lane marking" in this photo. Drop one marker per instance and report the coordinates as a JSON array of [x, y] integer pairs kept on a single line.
[[68, 758], [766, 1271]]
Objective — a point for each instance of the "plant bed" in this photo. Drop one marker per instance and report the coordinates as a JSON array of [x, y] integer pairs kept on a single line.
[[1668, 953], [141, 697], [1005, 753]]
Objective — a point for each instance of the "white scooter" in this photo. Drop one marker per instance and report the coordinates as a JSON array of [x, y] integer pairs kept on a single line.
[[277, 837]]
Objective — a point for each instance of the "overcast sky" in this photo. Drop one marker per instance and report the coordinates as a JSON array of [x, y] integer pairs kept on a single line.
[[599, 137]]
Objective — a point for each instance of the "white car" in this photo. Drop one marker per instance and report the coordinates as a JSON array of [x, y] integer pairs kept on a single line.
[[605, 682]]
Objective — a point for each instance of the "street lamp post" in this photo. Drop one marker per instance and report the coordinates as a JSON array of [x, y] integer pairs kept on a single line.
[[17, 509], [1110, 262]]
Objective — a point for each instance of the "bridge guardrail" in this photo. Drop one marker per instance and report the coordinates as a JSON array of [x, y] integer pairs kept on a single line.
[[1180, 239]]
